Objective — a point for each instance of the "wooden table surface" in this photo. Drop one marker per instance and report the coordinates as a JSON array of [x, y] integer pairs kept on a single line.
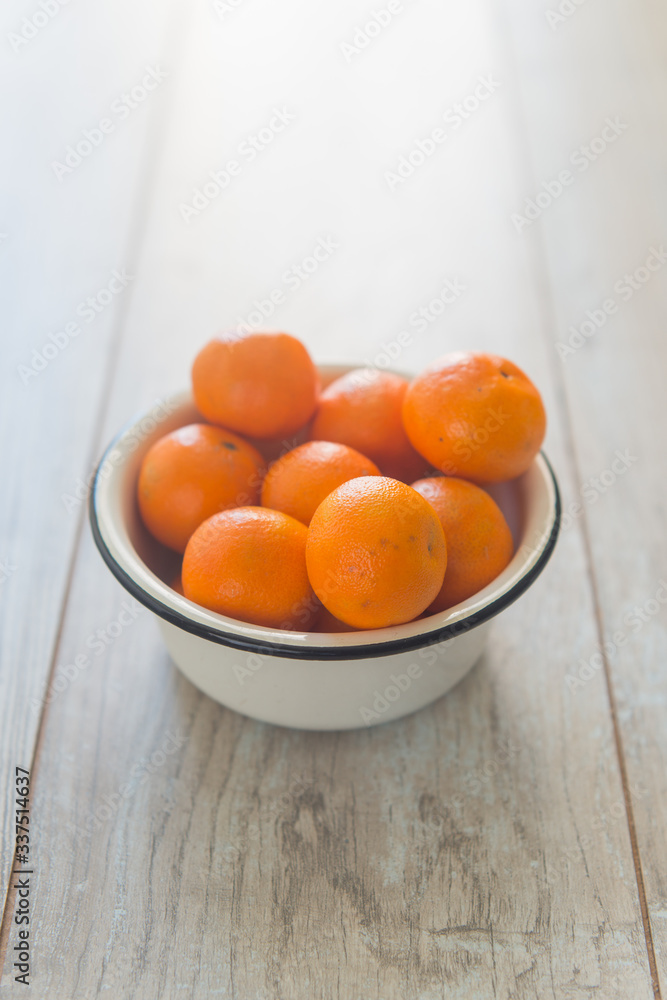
[[508, 841]]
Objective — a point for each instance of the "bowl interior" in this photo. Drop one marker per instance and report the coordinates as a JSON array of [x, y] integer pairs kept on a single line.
[[530, 504]]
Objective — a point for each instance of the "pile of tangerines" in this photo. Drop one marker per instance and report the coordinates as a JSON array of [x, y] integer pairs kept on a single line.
[[376, 518]]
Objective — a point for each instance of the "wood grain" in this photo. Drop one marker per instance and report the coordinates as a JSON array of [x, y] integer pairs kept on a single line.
[[612, 220], [412, 860], [479, 848], [49, 266]]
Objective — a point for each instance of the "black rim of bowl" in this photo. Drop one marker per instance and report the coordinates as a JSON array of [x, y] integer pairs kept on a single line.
[[267, 648]]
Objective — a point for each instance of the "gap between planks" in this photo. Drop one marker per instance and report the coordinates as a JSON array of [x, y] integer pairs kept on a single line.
[[135, 240], [155, 135], [561, 387]]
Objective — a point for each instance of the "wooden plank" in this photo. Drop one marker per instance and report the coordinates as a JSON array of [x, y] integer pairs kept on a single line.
[[456, 853], [609, 309], [64, 239], [444, 855]]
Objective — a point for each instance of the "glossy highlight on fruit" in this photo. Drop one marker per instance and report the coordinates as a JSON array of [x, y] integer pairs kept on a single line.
[[363, 409], [192, 473], [376, 553], [476, 416], [299, 481], [479, 541], [262, 384], [340, 542], [249, 563]]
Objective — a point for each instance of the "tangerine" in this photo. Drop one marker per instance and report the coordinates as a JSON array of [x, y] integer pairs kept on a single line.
[[249, 563], [299, 481], [476, 416], [363, 409], [479, 541], [261, 383], [376, 553], [192, 473]]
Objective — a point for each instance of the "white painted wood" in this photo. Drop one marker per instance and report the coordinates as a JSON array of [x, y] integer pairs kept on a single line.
[[479, 848], [61, 242], [612, 64]]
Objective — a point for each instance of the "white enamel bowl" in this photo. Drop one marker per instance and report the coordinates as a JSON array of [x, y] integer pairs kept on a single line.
[[301, 679]]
